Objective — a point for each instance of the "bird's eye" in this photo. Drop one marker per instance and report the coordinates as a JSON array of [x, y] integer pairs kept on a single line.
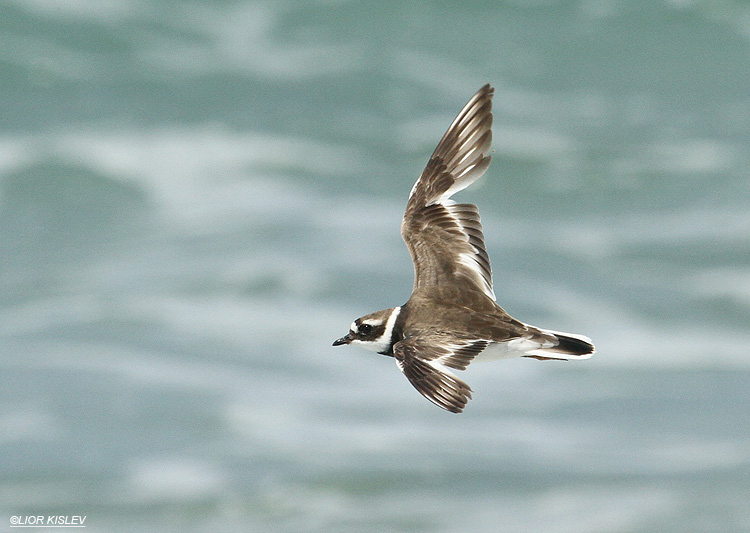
[[365, 329]]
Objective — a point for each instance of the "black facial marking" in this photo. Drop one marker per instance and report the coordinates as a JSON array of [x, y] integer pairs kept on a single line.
[[369, 332]]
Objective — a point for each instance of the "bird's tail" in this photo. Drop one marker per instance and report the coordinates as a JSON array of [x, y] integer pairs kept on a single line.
[[562, 346]]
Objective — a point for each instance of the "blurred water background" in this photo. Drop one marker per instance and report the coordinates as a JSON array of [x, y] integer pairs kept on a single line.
[[198, 197]]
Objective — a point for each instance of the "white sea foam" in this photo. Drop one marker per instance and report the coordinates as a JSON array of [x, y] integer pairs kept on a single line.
[[173, 479], [196, 174], [200, 40]]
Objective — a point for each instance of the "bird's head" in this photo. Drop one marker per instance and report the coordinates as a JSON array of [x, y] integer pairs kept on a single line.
[[372, 332]]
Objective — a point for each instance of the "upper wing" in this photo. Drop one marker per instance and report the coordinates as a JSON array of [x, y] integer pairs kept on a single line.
[[424, 360], [444, 238]]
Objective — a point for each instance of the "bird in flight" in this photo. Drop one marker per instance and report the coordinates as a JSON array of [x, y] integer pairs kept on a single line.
[[452, 318]]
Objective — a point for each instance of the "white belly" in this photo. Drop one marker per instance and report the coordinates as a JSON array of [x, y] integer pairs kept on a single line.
[[508, 350]]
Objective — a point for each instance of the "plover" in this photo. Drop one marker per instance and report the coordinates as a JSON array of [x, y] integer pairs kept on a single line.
[[451, 318]]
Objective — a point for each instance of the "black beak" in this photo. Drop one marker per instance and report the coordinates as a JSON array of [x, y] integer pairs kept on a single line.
[[346, 339]]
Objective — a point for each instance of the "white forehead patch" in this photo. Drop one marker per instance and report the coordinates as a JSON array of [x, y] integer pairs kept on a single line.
[[354, 327]]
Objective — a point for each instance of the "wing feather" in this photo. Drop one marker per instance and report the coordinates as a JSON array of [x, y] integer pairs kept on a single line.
[[444, 238], [425, 361]]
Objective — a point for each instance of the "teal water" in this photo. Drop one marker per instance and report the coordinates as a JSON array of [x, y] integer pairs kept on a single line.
[[197, 198]]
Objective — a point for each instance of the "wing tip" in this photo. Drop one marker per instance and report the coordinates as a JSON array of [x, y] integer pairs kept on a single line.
[[433, 381], [463, 151], [449, 392]]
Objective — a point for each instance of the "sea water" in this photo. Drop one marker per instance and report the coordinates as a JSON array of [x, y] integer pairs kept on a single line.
[[197, 198]]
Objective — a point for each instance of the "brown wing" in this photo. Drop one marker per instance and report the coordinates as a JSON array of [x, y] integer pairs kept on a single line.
[[424, 360], [444, 238]]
